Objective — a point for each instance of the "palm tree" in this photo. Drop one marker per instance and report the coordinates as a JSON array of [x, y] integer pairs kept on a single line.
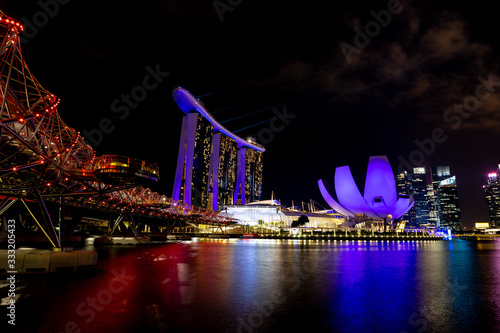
[[261, 222]]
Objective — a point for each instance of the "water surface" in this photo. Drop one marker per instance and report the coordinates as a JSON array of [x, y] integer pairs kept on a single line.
[[258, 285]]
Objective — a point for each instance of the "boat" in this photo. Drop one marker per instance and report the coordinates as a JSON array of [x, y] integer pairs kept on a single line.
[[249, 236], [218, 236]]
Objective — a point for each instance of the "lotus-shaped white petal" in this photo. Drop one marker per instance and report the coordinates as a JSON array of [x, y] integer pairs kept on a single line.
[[380, 198]]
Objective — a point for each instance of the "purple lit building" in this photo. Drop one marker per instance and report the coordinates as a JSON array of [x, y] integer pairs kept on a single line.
[[380, 199], [214, 167]]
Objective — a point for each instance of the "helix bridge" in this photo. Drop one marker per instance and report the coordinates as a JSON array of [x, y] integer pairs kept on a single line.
[[46, 167]]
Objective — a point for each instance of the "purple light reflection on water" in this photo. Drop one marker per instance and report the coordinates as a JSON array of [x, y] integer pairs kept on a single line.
[[367, 292], [263, 285]]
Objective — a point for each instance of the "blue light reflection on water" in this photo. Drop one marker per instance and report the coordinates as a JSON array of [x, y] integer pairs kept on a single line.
[[367, 290], [259, 285]]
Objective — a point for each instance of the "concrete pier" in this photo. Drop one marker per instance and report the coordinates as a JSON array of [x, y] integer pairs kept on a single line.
[[47, 261]]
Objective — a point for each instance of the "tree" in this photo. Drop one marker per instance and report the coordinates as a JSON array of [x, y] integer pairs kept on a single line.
[[261, 222], [303, 219]]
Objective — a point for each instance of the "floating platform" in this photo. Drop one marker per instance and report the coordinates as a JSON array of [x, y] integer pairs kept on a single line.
[[121, 240], [218, 236], [47, 261], [249, 236], [178, 237]]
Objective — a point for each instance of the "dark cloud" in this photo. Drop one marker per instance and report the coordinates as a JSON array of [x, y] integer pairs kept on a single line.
[[433, 64]]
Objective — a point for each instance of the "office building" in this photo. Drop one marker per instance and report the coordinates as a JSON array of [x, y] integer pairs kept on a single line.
[[492, 194], [446, 198], [419, 193], [414, 184]]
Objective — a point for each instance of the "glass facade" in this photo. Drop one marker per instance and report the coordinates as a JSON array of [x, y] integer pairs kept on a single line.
[[228, 161], [436, 204], [492, 194], [415, 184], [214, 169], [404, 187], [201, 162], [253, 175], [446, 198], [419, 192], [431, 204]]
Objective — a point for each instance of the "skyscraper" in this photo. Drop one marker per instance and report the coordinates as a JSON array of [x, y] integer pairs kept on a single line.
[[446, 196], [419, 193], [431, 205], [404, 187], [223, 178], [415, 184], [214, 166], [492, 193], [253, 173]]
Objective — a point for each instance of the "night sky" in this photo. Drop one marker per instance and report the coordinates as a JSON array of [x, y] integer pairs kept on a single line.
[[408, 86]]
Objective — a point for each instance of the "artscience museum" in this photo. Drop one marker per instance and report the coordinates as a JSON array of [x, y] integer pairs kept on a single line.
[[379, 200]]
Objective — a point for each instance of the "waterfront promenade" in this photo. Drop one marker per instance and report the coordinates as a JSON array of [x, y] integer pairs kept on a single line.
[[330, 237]]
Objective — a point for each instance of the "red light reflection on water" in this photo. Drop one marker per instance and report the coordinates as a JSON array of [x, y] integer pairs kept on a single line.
[[127, 290]]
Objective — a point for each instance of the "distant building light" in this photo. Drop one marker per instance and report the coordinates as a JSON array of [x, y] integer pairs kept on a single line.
[[492, 177], [419, 171], [443, 171], [448, 181], [481, 225], [251, 139]]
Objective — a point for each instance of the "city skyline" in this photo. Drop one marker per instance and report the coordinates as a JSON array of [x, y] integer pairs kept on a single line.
[[422, 87]]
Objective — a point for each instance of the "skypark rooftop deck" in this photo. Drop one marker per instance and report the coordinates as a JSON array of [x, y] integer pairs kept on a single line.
[[187, 103]]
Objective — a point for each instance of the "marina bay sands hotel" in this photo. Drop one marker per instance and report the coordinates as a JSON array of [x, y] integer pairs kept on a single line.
[[214, 167]]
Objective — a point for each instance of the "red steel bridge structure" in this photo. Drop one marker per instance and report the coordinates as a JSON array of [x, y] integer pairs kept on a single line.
[[44, 163]]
